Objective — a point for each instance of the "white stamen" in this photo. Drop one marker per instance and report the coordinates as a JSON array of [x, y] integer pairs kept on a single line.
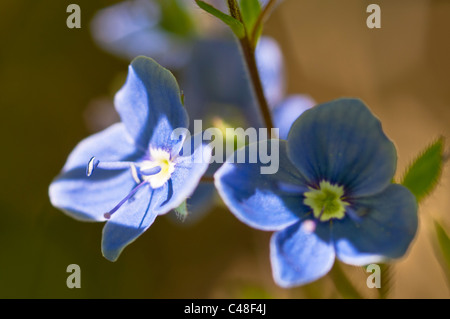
[[134, 173]]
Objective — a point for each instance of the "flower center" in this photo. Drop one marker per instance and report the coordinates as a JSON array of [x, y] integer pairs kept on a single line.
[[326, 202], [158, 158]]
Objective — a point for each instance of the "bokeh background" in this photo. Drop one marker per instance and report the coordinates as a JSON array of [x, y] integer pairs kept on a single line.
[[51, 75]]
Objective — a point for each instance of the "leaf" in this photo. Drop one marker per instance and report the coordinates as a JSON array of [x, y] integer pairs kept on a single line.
[[423, 174], [182, 211], [250, 10], [444, 244], [236, 26]]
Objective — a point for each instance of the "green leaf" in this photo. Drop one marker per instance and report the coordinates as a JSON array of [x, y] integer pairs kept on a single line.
[[175, 18], [423, 174], [236, 26], [444, 244], [250, 10], [182, 211]]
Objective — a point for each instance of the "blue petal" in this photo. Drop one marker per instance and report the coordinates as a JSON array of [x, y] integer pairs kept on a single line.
[[88, 198], [257, 199], [270, 64], [130, 28], [299, 255], [149, 104], [285, 114], [215, 82], [385, 229], [343, 143], [128, 222]]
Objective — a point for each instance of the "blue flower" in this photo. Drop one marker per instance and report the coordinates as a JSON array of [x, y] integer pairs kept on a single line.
[[331, 197], [135, 169]]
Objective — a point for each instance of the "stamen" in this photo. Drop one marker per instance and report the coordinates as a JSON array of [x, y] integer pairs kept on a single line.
[[95, 163], [112, 211], [134, 173], [151, 170]]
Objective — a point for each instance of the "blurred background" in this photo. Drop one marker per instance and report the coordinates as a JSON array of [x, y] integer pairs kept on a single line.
[[57, 85]]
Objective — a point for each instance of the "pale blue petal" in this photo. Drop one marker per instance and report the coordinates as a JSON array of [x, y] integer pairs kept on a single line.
[[269, 59], [130, 28], [285, 114], [128, 223], [343, 142], [386, 228], [257, 199], [300, 256], [150, 105], [88, 198], [215, 82]]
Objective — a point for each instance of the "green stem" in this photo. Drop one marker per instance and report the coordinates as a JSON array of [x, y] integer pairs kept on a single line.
[[234, 10], [250, 60], [261, 19]]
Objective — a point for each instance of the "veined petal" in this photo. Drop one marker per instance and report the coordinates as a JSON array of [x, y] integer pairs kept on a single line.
[[257, 199], [343, 143], [128, 223], [385, 229], [299, 255], [150, 105], [88, 198], [285, 114]]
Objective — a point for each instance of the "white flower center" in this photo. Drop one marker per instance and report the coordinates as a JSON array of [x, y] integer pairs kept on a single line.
[[161, 158]]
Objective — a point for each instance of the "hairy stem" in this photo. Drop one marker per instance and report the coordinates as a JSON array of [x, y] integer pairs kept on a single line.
[[250, 61]]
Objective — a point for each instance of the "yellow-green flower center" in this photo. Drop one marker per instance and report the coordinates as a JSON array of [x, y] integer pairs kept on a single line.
[[326, 202]]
